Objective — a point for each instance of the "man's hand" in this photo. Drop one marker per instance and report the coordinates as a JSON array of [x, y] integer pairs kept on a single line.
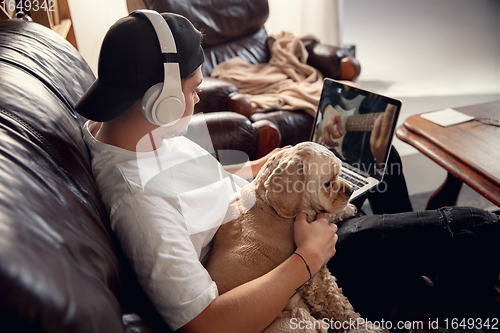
[[316, 240], [332, 126], [381, 134]]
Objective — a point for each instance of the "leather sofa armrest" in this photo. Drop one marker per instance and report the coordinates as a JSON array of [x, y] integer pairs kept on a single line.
[[332, 61], [269, 137], [219, 95], [239, 103], [294, 126], [230, 131]]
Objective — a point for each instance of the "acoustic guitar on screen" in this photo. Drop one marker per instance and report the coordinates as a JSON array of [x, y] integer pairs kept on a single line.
[[337, 122]]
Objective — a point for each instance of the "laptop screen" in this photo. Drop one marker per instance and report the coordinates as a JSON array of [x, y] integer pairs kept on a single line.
[[356, 125]]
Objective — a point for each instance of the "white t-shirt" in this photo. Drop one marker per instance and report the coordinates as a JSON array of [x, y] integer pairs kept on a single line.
[[165, 207]]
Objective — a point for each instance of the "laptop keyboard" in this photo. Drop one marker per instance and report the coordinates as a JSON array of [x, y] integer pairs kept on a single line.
[[352, 180]]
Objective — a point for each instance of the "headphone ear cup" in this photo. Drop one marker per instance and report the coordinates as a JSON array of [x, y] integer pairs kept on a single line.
[[149, 99], [163, 104], [162, 111]]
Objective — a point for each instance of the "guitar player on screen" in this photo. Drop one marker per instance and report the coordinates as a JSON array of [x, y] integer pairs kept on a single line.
[[357, 127]]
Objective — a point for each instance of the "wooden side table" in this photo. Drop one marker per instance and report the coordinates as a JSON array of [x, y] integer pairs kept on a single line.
[[470, 152]]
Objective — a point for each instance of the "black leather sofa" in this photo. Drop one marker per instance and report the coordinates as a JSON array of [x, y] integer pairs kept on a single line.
[[60, 267]]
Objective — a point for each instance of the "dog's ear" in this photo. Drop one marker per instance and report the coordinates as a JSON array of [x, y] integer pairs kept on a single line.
[[285, 187]]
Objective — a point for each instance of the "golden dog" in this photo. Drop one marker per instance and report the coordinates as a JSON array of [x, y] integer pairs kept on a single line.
[[299, 179]]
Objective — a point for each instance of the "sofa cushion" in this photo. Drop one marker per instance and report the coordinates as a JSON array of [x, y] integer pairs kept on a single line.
[[58, 267], [220, 21], [230, 28], [49, 58]]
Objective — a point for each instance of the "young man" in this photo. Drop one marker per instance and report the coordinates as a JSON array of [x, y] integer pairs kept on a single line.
[[164, 229], [149, 177]]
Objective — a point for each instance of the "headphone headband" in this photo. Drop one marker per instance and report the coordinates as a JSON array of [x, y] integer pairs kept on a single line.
[[165, 37], [163, 104]]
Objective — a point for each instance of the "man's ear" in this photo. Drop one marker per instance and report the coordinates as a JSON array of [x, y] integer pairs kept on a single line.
[[285, 187]]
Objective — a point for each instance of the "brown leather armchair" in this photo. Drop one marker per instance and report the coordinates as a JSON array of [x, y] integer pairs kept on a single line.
[[236, 28]]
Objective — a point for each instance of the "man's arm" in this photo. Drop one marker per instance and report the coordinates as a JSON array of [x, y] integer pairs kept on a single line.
[[252, 306]]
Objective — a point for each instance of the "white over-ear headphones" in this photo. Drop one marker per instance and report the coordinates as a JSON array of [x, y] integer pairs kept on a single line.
[[163, 104]]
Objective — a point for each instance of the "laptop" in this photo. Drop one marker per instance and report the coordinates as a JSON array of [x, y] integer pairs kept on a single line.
[[358, 127]]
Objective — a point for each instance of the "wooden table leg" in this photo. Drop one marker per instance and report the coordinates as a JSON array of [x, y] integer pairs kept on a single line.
[[447, 194]]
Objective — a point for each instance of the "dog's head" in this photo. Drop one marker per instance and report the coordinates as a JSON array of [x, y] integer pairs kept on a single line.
[[303, 178]]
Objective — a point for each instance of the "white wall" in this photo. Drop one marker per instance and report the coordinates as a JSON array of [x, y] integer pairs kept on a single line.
[[322, 18], [430, 54], [426, 47], [91, 20]]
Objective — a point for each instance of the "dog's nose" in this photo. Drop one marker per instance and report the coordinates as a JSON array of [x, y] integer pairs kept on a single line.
[[348, 190]]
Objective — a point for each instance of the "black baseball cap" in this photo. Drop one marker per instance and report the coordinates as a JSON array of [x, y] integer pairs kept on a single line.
[[131, 61]]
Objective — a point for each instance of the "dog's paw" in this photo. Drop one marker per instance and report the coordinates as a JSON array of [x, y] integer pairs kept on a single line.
[[350, 210]]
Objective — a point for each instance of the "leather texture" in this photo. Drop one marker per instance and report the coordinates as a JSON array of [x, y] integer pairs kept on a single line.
[[213, 94], [295, 126], [58, 268], [221, 21], [229, 132], [61, 269], [230, 28]]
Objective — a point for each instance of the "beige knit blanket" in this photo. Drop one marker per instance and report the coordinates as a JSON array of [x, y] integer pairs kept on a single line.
[[285, 83]]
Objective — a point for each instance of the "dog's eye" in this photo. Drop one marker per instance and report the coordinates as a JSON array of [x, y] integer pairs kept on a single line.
[[328, 183]]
